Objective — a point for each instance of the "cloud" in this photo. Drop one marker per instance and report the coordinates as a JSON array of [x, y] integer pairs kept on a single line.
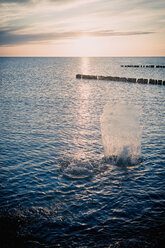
[[37, 1], [61, 1], [118, 33], [15, 1], [12, 37]]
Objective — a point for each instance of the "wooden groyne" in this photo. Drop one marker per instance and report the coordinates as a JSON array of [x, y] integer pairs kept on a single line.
[[144, 66], [122, 79]]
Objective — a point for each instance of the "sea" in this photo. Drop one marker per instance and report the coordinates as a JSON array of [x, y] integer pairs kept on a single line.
[[82, 162]]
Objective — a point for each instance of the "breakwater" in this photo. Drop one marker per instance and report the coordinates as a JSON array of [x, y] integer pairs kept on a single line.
[[121, 79], [144, 66]]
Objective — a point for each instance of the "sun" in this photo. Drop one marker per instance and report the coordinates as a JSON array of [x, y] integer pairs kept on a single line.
[[84, 39], [84, 45], [83, 42]]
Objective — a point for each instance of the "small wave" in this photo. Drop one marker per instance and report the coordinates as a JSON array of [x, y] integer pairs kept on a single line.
[[77, 170], [77, 173]]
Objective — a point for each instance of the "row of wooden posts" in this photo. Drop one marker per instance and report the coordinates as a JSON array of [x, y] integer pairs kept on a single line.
[[122, 79], [145, 66]]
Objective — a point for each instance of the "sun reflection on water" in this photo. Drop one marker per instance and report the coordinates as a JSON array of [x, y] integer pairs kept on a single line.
[[82, 116], [85, 65]]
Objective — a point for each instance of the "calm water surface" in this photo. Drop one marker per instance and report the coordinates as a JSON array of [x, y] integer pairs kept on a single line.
[[56, 189]]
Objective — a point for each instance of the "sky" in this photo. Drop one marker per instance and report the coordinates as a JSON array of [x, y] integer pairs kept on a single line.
[[82, 28]]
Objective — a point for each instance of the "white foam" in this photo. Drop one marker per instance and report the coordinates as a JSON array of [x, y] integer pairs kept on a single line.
[[75, 171]]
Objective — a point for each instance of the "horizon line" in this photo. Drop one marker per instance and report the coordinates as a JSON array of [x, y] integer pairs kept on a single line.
[[130, 56]]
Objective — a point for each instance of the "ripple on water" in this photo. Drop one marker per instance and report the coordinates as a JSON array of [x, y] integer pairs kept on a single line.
[[78, 170]]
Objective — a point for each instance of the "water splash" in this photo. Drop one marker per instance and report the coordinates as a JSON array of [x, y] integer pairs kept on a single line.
[[121, 134]]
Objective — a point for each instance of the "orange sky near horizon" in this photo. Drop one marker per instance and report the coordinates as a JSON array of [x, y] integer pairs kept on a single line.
[[82, 28]]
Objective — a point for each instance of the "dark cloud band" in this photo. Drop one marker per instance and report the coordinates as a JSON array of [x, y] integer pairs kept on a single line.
[[36, 1], [15, 1], [14, 36]]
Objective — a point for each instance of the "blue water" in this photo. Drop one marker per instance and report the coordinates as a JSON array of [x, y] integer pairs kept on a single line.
[[56, 188]]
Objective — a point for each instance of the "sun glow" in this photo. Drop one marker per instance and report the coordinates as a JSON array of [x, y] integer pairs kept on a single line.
[[85, 46], [84, 40]]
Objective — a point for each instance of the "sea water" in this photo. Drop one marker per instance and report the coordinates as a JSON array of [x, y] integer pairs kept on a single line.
[[82, 161]]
